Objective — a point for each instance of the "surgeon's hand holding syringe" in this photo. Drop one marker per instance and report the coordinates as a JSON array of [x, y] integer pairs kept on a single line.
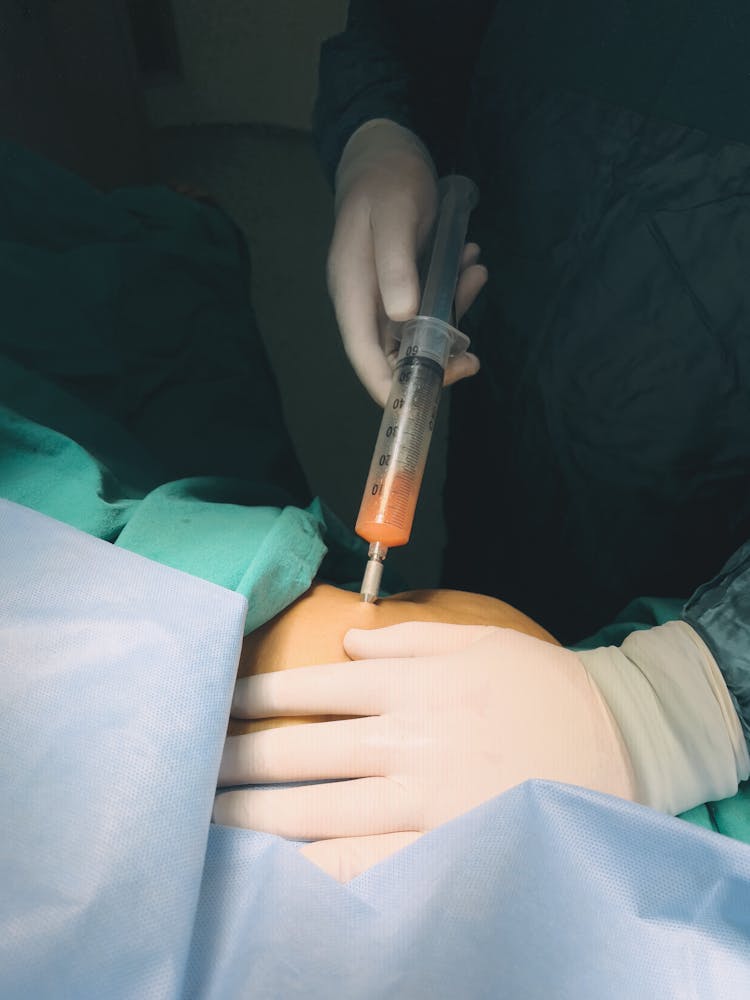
[[428, 341]]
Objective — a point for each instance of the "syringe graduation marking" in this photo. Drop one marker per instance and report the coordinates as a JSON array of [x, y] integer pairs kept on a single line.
[[400, 461]]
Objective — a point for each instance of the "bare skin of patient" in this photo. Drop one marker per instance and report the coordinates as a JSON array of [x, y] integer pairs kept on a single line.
[[311, 631]]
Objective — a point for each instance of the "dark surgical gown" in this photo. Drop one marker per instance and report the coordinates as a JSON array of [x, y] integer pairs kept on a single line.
[[604, 449]]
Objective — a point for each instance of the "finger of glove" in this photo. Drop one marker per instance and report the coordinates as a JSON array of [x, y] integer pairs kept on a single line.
[[323, 689], [315, 812], [371, 368], [462, 367], [391, 332], [344, 858], [412, 639], [321, 751], [352, 283], [470, 255], [395, 230], [470, 283]]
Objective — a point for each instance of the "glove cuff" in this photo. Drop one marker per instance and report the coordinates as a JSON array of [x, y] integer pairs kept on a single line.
[[675, 714]]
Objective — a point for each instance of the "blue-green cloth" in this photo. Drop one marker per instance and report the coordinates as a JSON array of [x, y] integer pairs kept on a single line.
[[136, 398]]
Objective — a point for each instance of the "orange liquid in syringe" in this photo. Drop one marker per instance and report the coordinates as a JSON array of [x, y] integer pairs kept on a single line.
[[388, 516]]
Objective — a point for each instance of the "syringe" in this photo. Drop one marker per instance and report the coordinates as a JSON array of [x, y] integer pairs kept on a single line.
[[427, 342]]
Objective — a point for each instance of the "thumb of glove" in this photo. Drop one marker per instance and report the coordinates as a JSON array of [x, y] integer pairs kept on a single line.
[[395, 235]]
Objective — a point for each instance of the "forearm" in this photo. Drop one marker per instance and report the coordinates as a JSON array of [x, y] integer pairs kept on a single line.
[[410, 62]]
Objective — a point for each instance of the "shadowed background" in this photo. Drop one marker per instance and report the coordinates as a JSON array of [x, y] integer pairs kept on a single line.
[[219, 95]]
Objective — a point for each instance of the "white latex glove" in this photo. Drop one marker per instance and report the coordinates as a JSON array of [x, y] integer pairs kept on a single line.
[[454, 715], [386, 195]]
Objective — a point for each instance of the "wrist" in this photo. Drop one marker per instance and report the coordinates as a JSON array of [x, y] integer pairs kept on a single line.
[[676, 717]]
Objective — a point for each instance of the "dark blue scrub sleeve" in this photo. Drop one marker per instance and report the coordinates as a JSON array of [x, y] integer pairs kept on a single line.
[[719, 611], [410, 61]]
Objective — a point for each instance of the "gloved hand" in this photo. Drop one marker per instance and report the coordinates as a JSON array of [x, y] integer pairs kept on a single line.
[[386, 195], [454, 715]]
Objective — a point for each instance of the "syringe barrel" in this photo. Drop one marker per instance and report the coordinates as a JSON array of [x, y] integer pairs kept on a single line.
[[387, 511]]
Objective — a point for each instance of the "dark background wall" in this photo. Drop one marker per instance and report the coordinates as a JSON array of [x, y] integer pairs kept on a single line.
[[219, 95], [69, 86]]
